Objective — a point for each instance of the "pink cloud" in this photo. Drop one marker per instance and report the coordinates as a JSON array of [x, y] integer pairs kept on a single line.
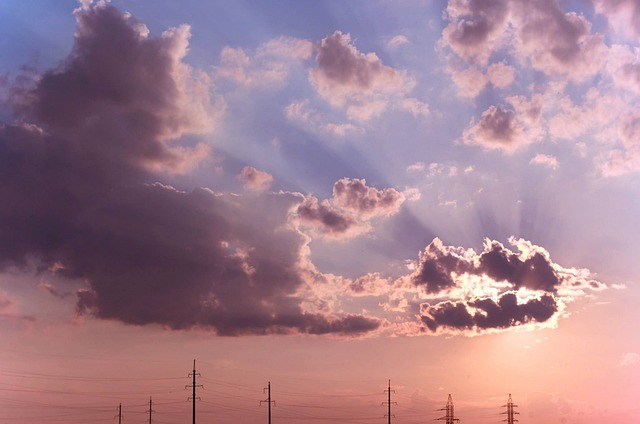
[[302, 112], [372, 284], [475, 28], [501, 75], [472, 80], [623, 15], [354, 195], [397, 41], [545, 160], [556, 43], [5, 300], [254, 179], [350, 210], [359, 83], [269, 66], [559, 43], [498, 128]]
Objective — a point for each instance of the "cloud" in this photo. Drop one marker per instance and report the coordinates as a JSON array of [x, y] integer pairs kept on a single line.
[[132, 92], [303, 113], [488, 314], [326, 218], [497, 129], [415, 107], [554, 42], [545, 160], [472, 80], [397, 41], [351, 208], [558, 43], [268, 66], [93, 133], [629, 358], [623, 15], [5, 300], [254, 179], [371, 284], [367, 202], [494, 290], [475, 27], [358, 83]]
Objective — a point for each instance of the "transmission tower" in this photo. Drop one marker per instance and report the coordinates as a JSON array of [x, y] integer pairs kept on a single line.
[[449, 417], [388, 402], [510, 412], [268, 400], [193, 385]]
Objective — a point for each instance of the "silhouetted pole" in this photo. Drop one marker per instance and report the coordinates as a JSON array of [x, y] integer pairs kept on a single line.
[[268, 401], [194, 391], [119, 413], [194, 385], [388, 391], [150, 408]]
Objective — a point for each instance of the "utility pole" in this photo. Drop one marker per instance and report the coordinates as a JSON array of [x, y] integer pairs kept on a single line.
[[194, 385], [119, 416], [449, 417], [150, 409], [388, 402], [268, 401], [511, 411]]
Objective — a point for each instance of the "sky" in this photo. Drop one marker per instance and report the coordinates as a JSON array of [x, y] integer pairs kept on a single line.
[[330, 197]]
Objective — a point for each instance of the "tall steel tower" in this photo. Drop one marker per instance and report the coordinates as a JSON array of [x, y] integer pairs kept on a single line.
[[449, 417], [510, 412]]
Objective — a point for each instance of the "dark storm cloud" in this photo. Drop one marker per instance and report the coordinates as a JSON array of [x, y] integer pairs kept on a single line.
[[483, 314], [75, 198], [495, 289], [437, 266], [443, 267], [534, 272]]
